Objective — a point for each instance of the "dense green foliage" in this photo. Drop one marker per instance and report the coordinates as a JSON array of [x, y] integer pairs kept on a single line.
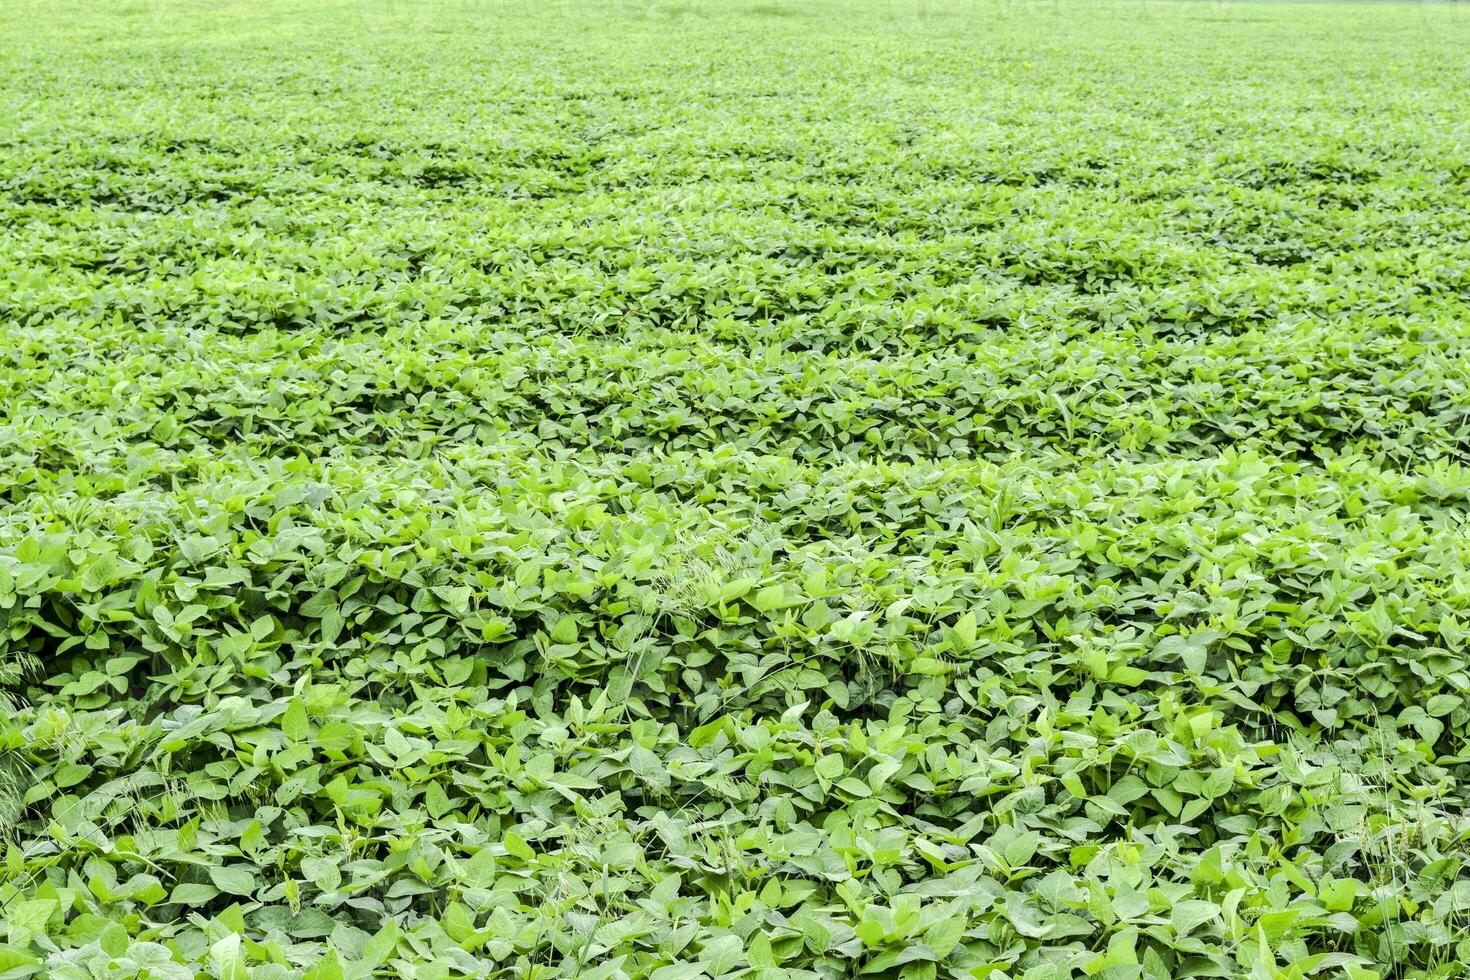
[[923, 489]]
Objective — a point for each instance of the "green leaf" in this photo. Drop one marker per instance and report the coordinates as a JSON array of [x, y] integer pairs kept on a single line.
[[29, 918], [516, 846], [945, 935], [769, 598], [381, 946], [192, 894], [1189, 915], [234, 880]]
